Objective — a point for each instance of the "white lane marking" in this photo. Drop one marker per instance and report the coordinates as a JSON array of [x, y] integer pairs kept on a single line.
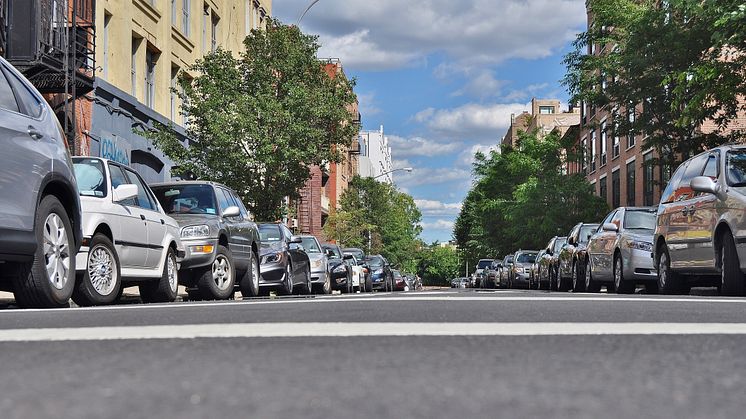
[[384, 298], [297, 330]]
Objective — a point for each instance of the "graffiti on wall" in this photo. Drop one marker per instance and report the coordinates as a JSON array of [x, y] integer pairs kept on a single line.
[[115, 149]]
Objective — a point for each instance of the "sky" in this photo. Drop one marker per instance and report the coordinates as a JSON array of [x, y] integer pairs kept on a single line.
[[443, 78]]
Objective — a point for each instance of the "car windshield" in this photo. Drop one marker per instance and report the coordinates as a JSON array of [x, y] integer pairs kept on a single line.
[[375, 262], [359, 255], [186, 199], [586, 231], [270, 233], [526, 257], [397, 274], [509, 259], [310, 245], [737, 168], [639, 220], [559, 243], [90, 176], [334, 250], [484, 264]]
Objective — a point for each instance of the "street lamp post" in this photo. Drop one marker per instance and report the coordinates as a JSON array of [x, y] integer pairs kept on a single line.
[[313, 3], [401, 169]]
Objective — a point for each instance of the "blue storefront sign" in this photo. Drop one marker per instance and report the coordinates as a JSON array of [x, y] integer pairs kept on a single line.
[[116, 150]]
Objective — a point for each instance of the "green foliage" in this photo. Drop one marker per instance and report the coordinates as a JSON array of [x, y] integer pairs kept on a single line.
[[521, 199], [438, 265], [377, 217], [259, 120], [668, 63]]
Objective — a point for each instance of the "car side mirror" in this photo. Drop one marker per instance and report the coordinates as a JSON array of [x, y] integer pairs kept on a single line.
[[705, 184], [125, 192], [231, 212], [610, 227], [295, 240]]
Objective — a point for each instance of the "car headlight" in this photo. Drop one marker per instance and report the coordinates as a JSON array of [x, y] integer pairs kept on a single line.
[[195, 232], [316, 263], [378, 272], [638, 245], [274, 258], [340, 269]]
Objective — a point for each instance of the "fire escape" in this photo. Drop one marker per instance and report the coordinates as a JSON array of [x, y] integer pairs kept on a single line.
[[52, 42]]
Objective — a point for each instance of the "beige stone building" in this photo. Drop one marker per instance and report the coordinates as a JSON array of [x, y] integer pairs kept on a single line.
[[546, 115]]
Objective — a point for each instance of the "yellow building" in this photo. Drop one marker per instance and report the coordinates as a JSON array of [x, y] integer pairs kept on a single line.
[[141, 46]]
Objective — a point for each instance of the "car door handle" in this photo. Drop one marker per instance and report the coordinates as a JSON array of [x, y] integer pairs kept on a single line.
[[34, 133], [142, 217], [163, 221]]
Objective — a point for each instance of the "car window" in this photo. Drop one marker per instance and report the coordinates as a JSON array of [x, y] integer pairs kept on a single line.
[[143, 198], [640, 220], [118, 178], [310, 245], [270, 233], [28, 103], [668, 193], [7, 98], [607, 219], [585, 232], [736, 170], [334, 250], [224, 199], [694, 169], [483, 264], [712, 166], [616, 220], [286, 231], [559, 243], [239, 204], [376, 262], [186, 199], [91, 177]]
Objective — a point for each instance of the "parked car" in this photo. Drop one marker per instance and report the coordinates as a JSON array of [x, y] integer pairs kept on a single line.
[[553, 250], [479, 276], [40, 213], [503, 277], [339, 268], [491, 274], [380, 271], [359, 255], [358, 274], [221, 240], [399, 282], [572, 256], [519, 274], [619, 254], [700, 227], [320, 277], [533, 277], [127, 237], [284, 265]]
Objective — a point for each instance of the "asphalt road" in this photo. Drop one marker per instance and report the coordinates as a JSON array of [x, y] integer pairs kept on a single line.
[[446, 354]]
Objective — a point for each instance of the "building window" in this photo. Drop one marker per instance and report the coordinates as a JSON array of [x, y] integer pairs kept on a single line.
[[616, 190], [214, 33], [173, 86], [648, 179], [107, 24], [546, 110], [185, 6], [631, 184], [150, 60], [603, 189], [133, 66], [593, 151], [174, 13], [584, 155], [631, 135], [604, 138]]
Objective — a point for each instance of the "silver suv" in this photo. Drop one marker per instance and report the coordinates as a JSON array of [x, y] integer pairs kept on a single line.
[[700, 236], [40, 217]]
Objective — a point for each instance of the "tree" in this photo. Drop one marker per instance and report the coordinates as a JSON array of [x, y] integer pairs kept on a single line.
[[256, 122], [521, 199], [437, 265], [664, 63], [379, 218]]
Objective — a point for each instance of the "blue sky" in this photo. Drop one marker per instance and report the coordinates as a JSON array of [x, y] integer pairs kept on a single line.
[[443, 77]]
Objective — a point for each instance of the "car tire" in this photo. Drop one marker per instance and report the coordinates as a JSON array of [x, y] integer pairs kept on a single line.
[[166, 288], [249, 283], [217, 282], [731, 277], [620, 284], [669, 282], [578, 285], [326, 287], [591, 285], [105, 286], [288, 285], [552, 280], [368, 284], [33, 284]]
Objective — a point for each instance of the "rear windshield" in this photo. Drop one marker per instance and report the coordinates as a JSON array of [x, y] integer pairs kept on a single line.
[[334, 250], [270, 233], [375, 262], [359, 255], [186, 199], [526, 257], [639, 220], [90, 176], [310, 245], [586, 231], [484, 263]]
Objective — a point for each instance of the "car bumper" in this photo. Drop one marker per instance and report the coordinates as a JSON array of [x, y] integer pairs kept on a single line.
[[378, 281], [318, 277], [194, 254], [272, 274], [639, 265], [521, 280]]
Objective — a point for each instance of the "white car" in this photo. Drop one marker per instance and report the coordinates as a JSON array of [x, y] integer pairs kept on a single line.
[[358, 274], [127, 237]]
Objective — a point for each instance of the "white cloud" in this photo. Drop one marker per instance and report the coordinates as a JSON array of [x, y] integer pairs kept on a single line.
[[472, 120], [387, 34], [418, 146], [367, 104], [432, 176], [432, 208], [526, 93], [442, 225], [481, 84], [466, 158]]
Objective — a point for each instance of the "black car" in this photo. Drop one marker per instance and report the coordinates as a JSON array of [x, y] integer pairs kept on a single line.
[[221, 240], [339, 269], [381, 276], [283, 264]]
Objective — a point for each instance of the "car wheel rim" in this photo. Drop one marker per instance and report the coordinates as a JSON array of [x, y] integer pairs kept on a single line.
[[288, 278], [662, 270], [254, 273], [222, 272], [588, 276], [617, 273], [102, 270], [56, 251], [172, 272]]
